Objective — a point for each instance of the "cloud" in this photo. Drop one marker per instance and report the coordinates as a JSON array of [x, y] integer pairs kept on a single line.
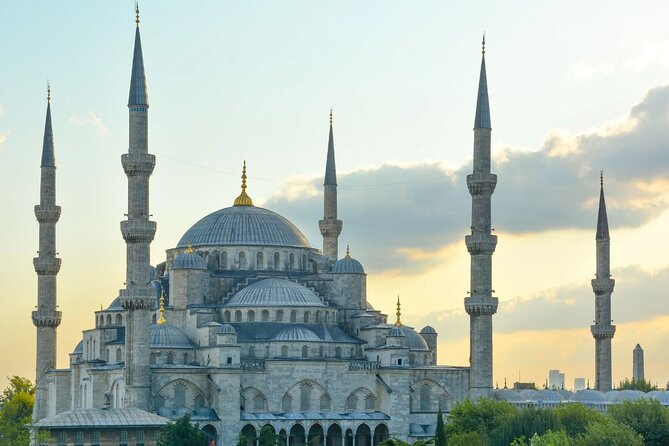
[[391, 210], [92, 120], [584, 71]]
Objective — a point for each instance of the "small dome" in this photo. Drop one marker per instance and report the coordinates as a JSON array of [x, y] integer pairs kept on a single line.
[[188, 260], [507, 395], [566, 394], [116, 304], [228, 329], [611, 395], [588, 396], [273, 293], [661, 395], [526, 394], [396, 332], [348, 265], [297, 334], [79, 348], [413, 340], [168, 336], [546, 395], [428, 330], [629, 395]]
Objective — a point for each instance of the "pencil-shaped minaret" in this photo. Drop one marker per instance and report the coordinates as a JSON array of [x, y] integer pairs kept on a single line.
[[602, 286], [46, 317], [330, 227], [481, 305], [138, 297]]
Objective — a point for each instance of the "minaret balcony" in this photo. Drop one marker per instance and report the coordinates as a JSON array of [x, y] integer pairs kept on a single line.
[[46, 318], [46, 265], [602, 286], [138, 298], [603, 331], [330, 227], [481, 183], [481, 244], [46, 213], [138, 163], [481, 306], [138, 231]]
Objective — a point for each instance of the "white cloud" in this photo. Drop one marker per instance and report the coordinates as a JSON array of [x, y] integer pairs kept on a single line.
[[584, 71], [92, 120]]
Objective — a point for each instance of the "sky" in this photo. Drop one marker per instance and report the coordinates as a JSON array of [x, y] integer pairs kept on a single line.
[[575, 87]]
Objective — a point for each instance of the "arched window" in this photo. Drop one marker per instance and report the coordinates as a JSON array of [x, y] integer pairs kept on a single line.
[[107, 355], [352, 353], [277, 261], [185, 358], [321, 351], [284, 351], [264, 315], [279, 315], [327, 317], [109, 319], [238, 316], [305, 397], [287, 403], [338, 352], [306, 317], [226, 316], [170, 358], [425, 394], [304, 262], [259, 402], [318, 317], [179, 395], [223, 260], [118, 355], [352, 403], [291, 261], [293, 316], [242, 260], [325, 402], [251, 316], [305, 351], [119, 319], [260, 261], [252, 352], [152, 358]]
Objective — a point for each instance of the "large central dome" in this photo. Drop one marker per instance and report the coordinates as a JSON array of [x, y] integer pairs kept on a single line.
[[244, 225]]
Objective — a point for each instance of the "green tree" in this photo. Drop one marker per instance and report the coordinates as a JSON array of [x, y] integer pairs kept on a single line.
[[181, 432], [608, 433], [398, 442], [440, 433], [550, 438], [524, 423], [483, 417], [646, 417], [467, 439], [16, 408], [639, 384], [574, 418]]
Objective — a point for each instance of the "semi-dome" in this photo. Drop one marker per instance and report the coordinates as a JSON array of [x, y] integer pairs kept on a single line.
[[275, 292], [115, 305], [297, 334], [348, 265], [413, 340], [168, 336], [79, 348], [244, 225], [188, 260], [228, 329]]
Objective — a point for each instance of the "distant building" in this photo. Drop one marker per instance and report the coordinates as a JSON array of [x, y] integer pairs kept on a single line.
[[579, 384], [524, 386], [637, 364], [555, 379]]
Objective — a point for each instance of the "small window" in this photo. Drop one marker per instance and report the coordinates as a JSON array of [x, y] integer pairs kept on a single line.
[[62, 439], [305, 351], [229, 361], [140, 438], [306, 317], [264, 316], [293, 316], [399, 361], [119, 319], [123, 438], [284, 351], [251, 316], [170, 358], [95, 441], [118, 355], [279, 315]]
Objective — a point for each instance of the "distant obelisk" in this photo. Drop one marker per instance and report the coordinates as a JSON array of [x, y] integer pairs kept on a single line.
[[637, 364]]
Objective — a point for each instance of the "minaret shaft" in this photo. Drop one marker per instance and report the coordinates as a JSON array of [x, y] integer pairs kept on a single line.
[[481, 305], [138, 231], [330, 226], [602, 286], [46, 317]]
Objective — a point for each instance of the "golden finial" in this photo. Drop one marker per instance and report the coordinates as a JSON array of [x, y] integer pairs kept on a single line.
[[243, 199], [137, 13], [483, 44], [48, 92], [162, 320], [330, 116], [398, 322], [348, 253], [189, 249]]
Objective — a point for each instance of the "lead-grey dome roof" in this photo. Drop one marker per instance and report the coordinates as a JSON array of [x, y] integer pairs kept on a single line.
[[273, 293], [588, 396], [188, 260], [413, 340], [168, 336], [244, 225], [546, 395], [297, 334], [348, 265], [507, 395]]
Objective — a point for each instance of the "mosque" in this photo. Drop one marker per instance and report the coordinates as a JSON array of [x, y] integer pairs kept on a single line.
[[246, 327]]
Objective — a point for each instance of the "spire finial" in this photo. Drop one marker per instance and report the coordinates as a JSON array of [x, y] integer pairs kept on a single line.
[[48, 91], [137, 13], [601, 178], [330, 116], [348, 252], [162, 320], [398, 322], [505, 383], [483, 44], [243, 199], [189, 250]]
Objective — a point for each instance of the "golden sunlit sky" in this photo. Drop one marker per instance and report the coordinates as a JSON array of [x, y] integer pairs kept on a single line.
[[575, 87]]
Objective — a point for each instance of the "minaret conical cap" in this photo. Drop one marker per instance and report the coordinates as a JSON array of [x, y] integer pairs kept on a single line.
[[138, 94], [48, 151], [482, 118], [330, 169], [602, 219]]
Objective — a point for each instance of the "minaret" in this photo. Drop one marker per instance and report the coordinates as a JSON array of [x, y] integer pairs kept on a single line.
[[637, 364], [47, 317], [480, 305], [330, 227], [138, 297], [602, 285]]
